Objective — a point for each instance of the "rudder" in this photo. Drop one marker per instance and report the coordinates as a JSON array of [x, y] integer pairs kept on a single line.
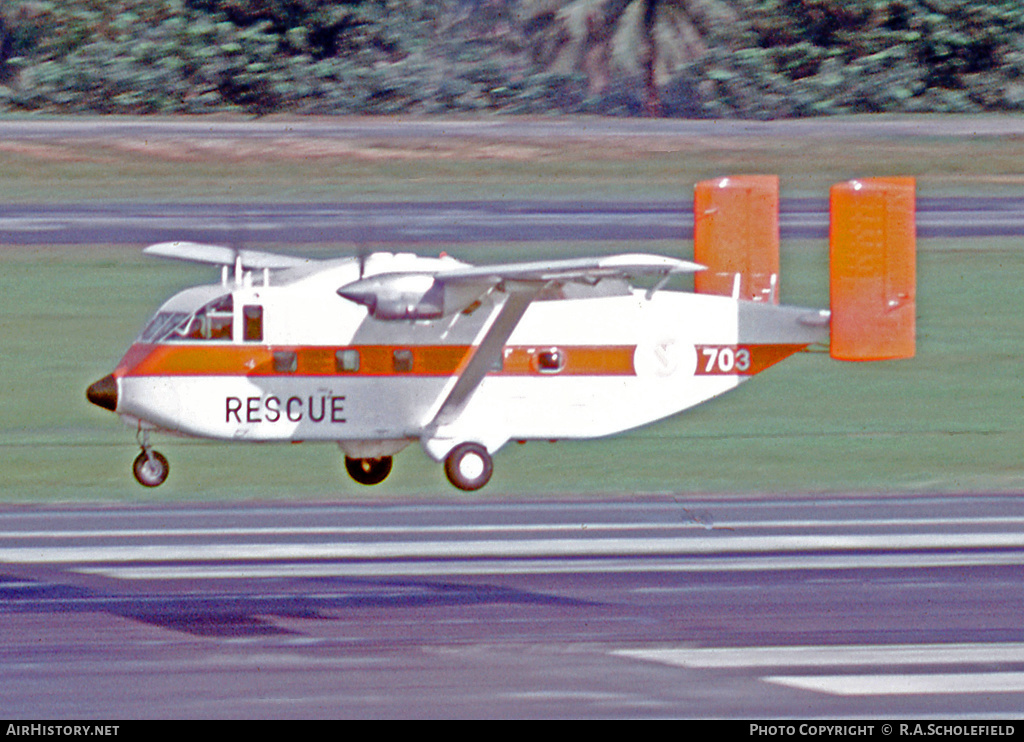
[[736, 233], [872, 258]]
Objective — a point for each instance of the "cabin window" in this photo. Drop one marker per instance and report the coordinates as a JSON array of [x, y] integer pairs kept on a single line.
[[285, 361], [252, 322], [402, 360], [549, 361], [346, 361]]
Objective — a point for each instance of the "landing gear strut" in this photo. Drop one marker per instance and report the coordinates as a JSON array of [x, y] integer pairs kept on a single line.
[[469, 466], [368, 471], [150, 467]]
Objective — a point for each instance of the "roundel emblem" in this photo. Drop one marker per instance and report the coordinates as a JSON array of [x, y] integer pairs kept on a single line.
[[664, 357]]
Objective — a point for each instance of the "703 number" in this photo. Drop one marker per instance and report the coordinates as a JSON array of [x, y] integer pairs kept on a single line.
[[723, 359]]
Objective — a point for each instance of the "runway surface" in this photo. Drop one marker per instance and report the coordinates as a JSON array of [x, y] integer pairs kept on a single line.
[[719, 607], [449, 222]]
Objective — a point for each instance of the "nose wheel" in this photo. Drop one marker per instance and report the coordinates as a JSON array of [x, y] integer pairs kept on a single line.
[[151, 468], [469, 466]]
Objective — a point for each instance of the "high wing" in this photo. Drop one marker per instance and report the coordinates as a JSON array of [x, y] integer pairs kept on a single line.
[[423, 295], [577, 269], [195, 252]]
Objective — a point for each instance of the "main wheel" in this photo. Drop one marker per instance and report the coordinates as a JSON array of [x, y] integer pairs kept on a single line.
[[368, 471], [469, 466], [151, 469]]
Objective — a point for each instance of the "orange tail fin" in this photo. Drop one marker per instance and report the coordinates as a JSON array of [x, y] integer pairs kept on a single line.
[[872, 243], [736, 232]]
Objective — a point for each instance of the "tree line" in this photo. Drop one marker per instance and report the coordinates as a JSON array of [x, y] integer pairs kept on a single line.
[[692, 58]]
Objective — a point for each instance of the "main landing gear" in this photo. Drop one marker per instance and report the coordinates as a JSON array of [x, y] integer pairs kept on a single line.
[[150, 467], [368, 471], [468, 467]]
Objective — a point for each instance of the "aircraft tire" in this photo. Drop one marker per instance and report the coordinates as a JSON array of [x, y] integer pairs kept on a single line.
[[469, 466], [368, 471], [151, 472]]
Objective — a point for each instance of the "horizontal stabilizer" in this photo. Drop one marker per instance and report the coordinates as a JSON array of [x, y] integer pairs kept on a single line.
[[195, 252]]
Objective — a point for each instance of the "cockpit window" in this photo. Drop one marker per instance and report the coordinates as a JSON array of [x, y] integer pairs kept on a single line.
[[161, 326], [213, 321]]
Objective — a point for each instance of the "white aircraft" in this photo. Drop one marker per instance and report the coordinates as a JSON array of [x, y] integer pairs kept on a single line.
[[380, 351]]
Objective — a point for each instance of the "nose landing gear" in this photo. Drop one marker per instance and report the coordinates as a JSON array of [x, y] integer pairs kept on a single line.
[[150, 467]]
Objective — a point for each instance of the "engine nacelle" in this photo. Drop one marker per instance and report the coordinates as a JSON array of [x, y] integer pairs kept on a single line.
[[411, 296], [398, 296]]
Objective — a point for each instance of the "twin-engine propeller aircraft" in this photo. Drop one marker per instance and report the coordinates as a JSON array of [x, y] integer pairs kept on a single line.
[[379, 351]]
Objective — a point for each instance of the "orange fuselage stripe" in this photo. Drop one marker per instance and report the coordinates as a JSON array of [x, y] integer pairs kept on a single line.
[[221, 359], [215, 359]]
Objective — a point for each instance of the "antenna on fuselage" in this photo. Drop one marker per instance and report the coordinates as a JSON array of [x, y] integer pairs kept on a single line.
[[363, 255], [237, 226], [245, 267]]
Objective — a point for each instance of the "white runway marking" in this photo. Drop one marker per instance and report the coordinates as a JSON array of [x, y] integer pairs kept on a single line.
[[505, 548], [694, 526], [889, 655], [907, 685], [858, 683], [545, 566]]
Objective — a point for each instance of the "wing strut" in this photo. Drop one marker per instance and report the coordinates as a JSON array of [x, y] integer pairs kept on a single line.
[[488, 352]]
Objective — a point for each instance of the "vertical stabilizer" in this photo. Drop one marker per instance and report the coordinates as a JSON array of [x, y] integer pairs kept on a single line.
[[736, 232], [872, 242]]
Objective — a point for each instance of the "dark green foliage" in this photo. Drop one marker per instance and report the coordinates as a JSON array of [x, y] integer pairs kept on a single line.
[[892, 55], [749, 58], [195, 56]]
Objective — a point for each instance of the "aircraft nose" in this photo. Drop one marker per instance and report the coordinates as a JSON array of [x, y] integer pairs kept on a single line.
[[103, 393]]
